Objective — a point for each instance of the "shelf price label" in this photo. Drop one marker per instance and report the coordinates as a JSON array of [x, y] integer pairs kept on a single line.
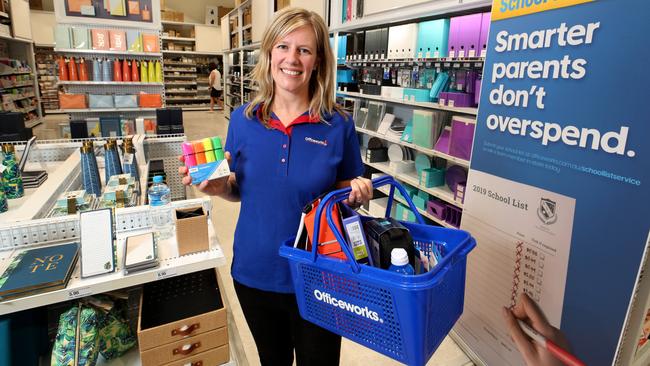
[[165, 273], [80, 292]]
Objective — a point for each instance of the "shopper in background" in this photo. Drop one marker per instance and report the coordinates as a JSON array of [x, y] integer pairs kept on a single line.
[[216, 90], [291, 144], [534, 354]]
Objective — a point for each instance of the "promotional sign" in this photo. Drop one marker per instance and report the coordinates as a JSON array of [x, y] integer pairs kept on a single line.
[[558, 197]]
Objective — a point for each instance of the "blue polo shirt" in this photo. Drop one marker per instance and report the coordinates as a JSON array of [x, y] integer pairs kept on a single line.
[[279, 171]]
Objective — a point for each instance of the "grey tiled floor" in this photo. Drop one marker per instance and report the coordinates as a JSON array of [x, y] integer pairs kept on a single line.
[[203, 124]]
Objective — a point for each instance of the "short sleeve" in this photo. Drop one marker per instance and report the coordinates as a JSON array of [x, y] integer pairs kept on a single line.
[[231, 145], [351, 165]]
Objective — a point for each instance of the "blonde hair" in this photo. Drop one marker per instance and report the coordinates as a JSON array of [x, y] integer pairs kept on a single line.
[[321, 84]]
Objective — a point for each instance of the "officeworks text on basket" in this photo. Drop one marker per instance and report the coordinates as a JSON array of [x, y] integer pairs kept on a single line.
[[362, 311]]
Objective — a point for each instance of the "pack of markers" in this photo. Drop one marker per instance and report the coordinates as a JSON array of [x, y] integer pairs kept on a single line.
[[205, 159]]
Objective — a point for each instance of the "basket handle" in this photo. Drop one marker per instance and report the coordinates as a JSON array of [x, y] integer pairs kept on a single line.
[[339, 195]]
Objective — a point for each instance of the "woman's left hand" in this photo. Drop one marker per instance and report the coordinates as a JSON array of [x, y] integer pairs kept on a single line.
[[361, 192]]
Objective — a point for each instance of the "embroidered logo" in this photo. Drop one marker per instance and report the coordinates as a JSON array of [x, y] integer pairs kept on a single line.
[[317, 142]]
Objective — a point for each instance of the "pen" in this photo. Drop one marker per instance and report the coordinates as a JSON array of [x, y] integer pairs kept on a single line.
[[557, 351]]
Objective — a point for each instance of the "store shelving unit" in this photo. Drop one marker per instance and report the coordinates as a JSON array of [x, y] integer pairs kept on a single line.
[[412, 13], [19, 87], [47, 78], [186, 63]]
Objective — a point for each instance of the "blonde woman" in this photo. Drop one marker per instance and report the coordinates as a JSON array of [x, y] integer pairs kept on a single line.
[[285, 148]]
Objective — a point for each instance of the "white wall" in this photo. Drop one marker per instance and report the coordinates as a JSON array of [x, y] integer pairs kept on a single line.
[[43, 23], [317, 6]]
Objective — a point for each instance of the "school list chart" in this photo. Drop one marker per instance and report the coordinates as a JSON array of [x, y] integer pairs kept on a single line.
[[523, 237]]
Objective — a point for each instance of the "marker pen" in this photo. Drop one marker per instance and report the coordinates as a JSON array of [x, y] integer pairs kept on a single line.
[[207, 146], [557, 351], [218, 151], [188, 154], [199, 152]]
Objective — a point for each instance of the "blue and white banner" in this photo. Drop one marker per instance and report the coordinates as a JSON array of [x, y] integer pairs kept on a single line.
[[558, 194]]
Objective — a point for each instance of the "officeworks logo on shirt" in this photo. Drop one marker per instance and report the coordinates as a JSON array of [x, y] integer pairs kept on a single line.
[[344, 305], [317, 142]]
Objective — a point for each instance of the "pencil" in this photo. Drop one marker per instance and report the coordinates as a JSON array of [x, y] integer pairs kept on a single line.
[[557, 351]]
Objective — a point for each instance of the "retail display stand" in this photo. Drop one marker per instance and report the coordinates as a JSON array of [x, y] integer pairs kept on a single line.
[[18, 84], [109, 89], [186, 64], [240, 57]]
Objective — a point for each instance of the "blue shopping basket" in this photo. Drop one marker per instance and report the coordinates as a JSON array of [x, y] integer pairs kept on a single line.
[[403, 317]]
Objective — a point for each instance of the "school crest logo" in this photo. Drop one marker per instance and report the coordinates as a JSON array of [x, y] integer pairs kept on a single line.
[[547, 211]]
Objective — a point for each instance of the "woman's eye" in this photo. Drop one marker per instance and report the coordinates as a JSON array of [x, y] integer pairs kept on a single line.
[[281, 46], [304, 50]]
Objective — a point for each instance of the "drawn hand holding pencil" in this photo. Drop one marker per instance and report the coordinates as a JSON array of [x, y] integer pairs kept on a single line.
[[540, 343]]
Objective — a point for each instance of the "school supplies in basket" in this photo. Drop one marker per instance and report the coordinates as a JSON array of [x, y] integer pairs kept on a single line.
[[404, 317]]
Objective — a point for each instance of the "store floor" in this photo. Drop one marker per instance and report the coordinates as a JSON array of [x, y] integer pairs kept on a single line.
[[224, 215]]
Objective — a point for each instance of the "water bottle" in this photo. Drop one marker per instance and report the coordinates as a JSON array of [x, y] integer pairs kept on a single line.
[[160, 208], [399, 262]]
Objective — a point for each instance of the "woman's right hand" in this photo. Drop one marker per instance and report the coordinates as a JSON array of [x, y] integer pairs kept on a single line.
[[533, 353], [216, 187]]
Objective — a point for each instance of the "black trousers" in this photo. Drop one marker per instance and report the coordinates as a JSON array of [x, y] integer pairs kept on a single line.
[[278, 329]]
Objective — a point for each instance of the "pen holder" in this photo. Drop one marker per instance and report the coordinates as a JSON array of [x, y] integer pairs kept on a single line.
[[191, 230]]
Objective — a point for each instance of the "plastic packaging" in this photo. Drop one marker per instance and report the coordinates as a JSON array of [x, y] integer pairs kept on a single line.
[[160, 209], [399, 262]]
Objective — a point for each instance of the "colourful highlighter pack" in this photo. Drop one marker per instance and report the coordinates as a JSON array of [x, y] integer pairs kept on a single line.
[[205, 160]]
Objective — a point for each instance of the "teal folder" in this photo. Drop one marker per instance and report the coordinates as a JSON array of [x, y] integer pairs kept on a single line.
[[62, 37], [80, 38], [433, 36], [423, 129], [38, 270]]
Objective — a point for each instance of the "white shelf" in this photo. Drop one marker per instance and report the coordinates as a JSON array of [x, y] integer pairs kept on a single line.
[[105, 52], [247, 26], [251, 46], [188, 98], [130, 83], [407, 13], [167, 76], [443, 192], [179, 39], [17, 39], [170, 52], [171, 91], [386, 190], [181, 83], [170, 262], [178, 70], [424, 150], [411, 61], [186, 24], [17, 73], [428, 105], [176, 63], [108, 110]]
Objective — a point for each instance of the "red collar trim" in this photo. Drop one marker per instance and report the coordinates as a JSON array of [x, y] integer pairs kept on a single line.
[[275, 122]]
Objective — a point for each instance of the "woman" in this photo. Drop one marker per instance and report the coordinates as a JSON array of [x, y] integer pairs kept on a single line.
[[214, 83], [285, 148]]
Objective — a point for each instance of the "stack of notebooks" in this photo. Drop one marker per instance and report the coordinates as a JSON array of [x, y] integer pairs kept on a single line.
[[34, 179], [38, 270], [140, 253]]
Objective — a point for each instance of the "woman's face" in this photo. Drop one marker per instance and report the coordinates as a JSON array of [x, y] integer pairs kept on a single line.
[[293, 59]]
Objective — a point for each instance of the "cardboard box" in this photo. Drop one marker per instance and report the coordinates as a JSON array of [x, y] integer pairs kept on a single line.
[[191, 230], [172, 330]]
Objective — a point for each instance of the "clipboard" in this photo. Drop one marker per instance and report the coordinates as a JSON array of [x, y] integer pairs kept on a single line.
[[328, 245], [97, 242]]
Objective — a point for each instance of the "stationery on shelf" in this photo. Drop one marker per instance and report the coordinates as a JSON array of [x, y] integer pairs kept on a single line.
[[38, 270], [97, 246], [140, 253]]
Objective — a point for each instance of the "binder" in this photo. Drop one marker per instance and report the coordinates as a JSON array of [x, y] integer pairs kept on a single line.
[[483, 36], [433, 39], [402, 41], [470, 35]]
